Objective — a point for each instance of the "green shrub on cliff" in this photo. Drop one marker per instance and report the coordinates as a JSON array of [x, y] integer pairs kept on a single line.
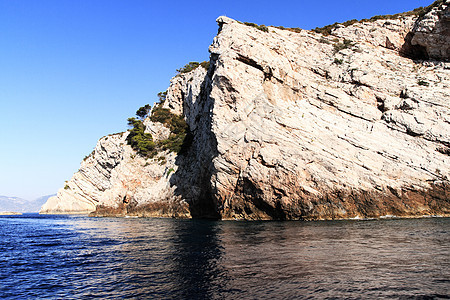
[[419, 12], [192, 66], [174, 122], [140, 141], [325, 30], [189, 67], [177, 125], [205, 65], [143, 111], [162, 97], [178, 140], [173, 143], [260, 27], [161, 115], [344, 45]]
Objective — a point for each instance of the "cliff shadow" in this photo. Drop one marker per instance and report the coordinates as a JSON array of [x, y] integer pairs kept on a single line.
[[414, 52], [429, 41], [192, 178]]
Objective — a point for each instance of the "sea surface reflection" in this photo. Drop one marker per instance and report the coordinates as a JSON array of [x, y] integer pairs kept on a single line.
[[74, 257]]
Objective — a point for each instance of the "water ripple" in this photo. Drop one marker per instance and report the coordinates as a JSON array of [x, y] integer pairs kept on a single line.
[[73, 257]]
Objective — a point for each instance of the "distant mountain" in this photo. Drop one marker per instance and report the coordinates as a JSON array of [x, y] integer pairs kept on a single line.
[[15, 204], [37, 203], [11, 204]]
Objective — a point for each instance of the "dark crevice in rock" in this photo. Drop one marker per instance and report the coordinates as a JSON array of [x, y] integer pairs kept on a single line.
[[247, 203], [405, 106], [380, 105], [404, 129], [187, 142], [254, 196], [387, 155], [358, 84], [350, 113], [394, 192], [443, 150], [212, 65], [220, 24], [250, 62], [404, 94], [412, 133], [323, 73], [415, 52], [269, 76]]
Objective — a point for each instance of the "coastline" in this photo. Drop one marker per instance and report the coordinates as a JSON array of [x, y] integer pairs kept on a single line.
[[9, 213]]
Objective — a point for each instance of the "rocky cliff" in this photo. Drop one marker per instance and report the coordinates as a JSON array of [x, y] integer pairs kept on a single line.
[[292, 124]]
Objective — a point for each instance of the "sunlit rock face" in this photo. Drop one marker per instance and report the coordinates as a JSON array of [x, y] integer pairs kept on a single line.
[[291, 125], [112, 177]]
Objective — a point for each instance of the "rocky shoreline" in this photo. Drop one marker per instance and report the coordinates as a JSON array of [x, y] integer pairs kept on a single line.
[[292, 125]]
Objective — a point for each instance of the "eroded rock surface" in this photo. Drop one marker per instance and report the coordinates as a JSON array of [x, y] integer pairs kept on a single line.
[[116, 181], [430, 36], [289, 125]]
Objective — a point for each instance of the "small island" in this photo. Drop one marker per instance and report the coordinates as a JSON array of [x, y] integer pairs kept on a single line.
[[9, 213]]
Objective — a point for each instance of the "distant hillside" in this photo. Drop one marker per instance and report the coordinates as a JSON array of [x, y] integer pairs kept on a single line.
[[15, 204]]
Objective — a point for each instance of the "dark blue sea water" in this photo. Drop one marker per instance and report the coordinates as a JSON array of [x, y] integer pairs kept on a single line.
[[72, 257]]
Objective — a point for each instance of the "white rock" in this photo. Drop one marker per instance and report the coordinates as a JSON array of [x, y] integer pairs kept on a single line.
[[285, 127]]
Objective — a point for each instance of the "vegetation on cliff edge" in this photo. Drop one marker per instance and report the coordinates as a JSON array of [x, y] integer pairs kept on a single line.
[[260, 27], [420, 12], [143, 143], [140, 141], [192, 66]]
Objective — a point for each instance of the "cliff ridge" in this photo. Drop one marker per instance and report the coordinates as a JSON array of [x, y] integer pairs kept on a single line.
[[292, 125]]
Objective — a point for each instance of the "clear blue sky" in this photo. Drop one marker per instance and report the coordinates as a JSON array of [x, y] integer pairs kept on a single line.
[[72, 71]]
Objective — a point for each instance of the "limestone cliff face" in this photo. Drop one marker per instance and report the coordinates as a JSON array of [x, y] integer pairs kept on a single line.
[[115, 180], [290, 125], [112, 177]]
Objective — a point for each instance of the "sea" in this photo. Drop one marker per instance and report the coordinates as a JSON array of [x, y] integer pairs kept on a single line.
[[79, 257]]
